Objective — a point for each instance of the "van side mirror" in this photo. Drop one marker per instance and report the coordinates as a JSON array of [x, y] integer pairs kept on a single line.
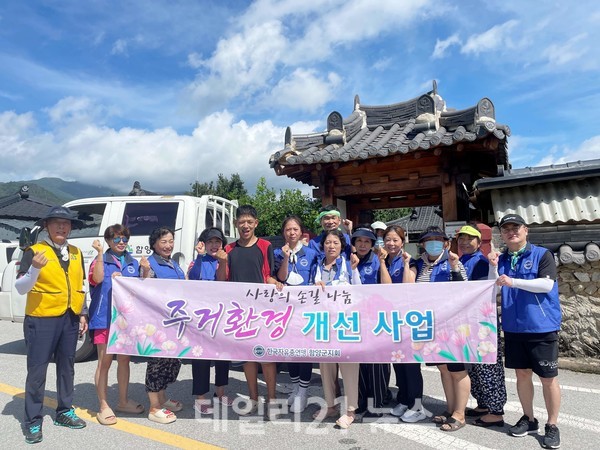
[[25, 238]]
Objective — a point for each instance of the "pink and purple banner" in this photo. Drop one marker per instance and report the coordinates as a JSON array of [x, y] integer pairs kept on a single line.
[[398, 323]]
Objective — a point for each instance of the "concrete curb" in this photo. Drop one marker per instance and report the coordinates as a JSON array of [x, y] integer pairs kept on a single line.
[[587, 365]]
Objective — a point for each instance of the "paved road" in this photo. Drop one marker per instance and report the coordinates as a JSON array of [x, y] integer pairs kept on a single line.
[[579, 421]]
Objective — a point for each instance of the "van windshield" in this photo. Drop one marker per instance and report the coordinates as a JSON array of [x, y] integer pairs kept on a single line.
[[142, 218]]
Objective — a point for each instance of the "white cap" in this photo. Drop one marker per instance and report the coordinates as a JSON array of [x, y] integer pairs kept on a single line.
[[378, 225]]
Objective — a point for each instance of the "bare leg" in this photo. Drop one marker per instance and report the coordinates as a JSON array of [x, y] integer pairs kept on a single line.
[[251, 372], [123, 378], [448, 386], [101, 375], [462, 388], [270, 374], [551, 390], [155, 401], [525, 391]]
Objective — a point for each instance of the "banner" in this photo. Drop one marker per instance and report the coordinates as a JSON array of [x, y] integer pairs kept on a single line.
[[381, 323]]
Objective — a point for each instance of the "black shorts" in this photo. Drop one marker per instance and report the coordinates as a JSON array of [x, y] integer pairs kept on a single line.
[[540, 355], [452, 367]]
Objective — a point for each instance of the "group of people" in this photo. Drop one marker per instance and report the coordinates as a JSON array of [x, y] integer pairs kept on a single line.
[[52, 274]]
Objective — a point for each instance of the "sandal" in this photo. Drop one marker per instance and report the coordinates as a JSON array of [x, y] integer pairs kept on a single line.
[[223, 400], [440, 419], [452, 424], [330, 412], [476, 412], [345, 421], [172, 405], [106, 417], [162, 416], [130, 408]]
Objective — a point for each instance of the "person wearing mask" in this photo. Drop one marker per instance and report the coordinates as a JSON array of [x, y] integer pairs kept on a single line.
[[487, 380], [531, 319], [51, 273]]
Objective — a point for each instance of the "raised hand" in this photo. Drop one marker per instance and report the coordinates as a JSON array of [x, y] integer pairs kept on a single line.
[[201, 248], [354, 261], [453, 259], [145, 266], [221, 256], [347, 223], [39, 260], [286, 250], [97, 245]]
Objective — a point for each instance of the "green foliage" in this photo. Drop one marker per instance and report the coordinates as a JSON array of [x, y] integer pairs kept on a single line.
[[386, 215], [229, 188], [273, 208]]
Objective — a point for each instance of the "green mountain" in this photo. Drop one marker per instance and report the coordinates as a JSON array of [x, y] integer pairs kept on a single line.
[[57, 191]]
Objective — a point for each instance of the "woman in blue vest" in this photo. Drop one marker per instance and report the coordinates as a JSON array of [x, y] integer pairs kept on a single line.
[[487, 380], [409, 379], [211, 240], [295, 265], [116, 261], [160, 372], [335, 270], [438, 264], [374, 378]]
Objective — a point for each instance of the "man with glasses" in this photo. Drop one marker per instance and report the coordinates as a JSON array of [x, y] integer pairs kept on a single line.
[[531, 320]]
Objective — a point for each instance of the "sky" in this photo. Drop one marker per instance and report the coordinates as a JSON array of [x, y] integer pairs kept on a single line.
[[170, 92]]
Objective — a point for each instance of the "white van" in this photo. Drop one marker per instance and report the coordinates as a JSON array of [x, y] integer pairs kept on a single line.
[[187, 215]]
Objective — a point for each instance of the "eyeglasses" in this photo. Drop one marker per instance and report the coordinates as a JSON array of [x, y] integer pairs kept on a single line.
[[118, 240], [510, 230]]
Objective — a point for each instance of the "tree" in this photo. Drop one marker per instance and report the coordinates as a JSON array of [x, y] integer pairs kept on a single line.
[[273, 208], [386, 215], [229, 188]]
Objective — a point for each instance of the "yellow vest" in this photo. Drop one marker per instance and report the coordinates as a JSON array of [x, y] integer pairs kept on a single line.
[[55, 290]]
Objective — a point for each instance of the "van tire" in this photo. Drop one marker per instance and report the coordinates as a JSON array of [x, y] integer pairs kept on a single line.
[[85, 348]]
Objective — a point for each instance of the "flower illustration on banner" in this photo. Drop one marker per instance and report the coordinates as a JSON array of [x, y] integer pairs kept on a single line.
[[123, 341], [160, 337], [485, 347], [483, 333], [397, 356], [417, 346], [138, 332], [125, 307], [197, 351], [487, 309], [431, 348], [169, 346], [150, 329], [184, 341], [122, 323], [443, 336], [465, 329], [459, 339]]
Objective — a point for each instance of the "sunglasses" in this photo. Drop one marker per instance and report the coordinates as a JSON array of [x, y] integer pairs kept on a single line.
[[118, 240]]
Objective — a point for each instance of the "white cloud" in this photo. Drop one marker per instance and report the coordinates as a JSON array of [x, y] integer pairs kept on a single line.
[[304, 90], [497, 37], [572, 50], [119, 47], [588, 149], [441, 46]]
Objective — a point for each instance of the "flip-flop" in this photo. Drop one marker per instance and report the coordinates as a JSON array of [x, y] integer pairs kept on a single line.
[[476, 413], [452, 424], [130, 408], [441, 418], [106, 417], [162, 416], [172, 405], [345, 421]]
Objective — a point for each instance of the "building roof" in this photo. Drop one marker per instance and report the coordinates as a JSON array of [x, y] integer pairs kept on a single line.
[[21, 206], [556, 194], [420, 124], [419, 219]]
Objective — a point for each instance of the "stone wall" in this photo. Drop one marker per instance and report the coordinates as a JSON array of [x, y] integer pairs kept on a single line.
[[579, 289]]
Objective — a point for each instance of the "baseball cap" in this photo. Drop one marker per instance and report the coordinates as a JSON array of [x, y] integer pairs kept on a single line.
[[363, 232], [378, 225], [61, 212], [511, 218], [213, 232]]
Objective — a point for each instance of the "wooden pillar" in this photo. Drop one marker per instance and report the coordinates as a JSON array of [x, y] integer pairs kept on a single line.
[[449, 198]]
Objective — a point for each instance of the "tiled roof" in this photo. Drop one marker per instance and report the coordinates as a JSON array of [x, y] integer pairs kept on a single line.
[[557, 194], [426, 217], [22, 208], [420, 124]]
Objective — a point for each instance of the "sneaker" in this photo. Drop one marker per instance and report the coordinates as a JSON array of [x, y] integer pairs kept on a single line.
[[551, 439], [33, 434], [524, 427], [69, 419], [299, 404], [412, 416], [398, 410], [250, 408], [293, 394]]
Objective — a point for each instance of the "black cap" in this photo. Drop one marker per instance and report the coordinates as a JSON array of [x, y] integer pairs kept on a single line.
[[212, 232], [511, 218], [433, 233], [61, 212]]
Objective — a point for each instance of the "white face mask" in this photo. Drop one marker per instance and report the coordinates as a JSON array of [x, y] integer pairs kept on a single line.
[[294, 279]]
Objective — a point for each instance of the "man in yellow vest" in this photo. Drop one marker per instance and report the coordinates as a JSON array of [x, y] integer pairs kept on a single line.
[[52, 274]]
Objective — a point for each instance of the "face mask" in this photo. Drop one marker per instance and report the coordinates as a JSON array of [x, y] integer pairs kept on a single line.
[[294, 279], [434, 248], [379, 242]]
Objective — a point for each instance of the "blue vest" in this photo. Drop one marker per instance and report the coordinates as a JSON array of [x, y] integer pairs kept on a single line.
[[368, 267], [523, 311], [101, 305], [476, 265], [441, 271], [204, 268], [315, 244], [164, 270], [396, 268], [305, 265]]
